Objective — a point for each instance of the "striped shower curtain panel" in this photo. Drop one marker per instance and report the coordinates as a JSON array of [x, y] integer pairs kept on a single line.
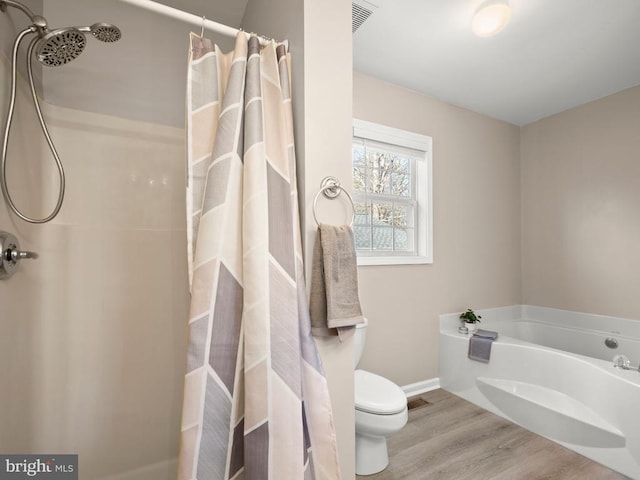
[[256, 403]]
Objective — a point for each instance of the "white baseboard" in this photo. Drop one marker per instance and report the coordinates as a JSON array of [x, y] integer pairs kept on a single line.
[[421, 387]]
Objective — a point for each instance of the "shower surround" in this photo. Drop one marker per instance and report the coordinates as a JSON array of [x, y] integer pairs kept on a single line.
[[92, 335]]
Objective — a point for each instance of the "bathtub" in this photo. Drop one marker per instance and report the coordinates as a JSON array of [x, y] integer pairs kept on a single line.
[[552, 373]]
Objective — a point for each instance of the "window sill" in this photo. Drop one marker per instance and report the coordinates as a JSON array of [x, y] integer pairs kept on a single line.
[[394, 260]]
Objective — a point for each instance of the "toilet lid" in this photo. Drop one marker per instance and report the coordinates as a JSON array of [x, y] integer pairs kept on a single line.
[[376, 394]]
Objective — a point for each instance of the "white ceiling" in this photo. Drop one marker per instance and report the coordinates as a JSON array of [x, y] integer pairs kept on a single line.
[[552, 56]]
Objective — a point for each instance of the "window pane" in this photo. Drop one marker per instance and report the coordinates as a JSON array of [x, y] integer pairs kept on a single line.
[[382, 238], [403, 216], [403, 240], [378, 181], [362, 237], [401, 164], [388, 173], [362, 225], [381, 165], [401, 185], [362, 213], [381, 213], [359, 168], [375, 158], [358, 154]]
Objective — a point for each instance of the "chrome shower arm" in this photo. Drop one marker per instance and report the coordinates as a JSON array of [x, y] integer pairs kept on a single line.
[[19, 6], [37, 20]]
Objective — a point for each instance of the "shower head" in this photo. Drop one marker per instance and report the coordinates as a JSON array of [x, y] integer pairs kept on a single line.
[[63, 45], [60, 46], [105, 32]]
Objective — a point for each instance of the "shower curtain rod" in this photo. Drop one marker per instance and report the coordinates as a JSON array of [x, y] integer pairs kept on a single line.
[[195, 20]]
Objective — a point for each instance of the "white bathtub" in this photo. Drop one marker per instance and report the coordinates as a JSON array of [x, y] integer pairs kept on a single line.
[[551, 372]]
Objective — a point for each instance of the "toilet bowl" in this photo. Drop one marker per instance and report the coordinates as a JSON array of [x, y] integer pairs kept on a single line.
[[381, 410]]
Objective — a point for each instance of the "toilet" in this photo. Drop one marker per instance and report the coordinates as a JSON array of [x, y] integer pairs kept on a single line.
[[381, 410]]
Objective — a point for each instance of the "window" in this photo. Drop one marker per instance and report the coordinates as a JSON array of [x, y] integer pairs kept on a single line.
[[392, 194]]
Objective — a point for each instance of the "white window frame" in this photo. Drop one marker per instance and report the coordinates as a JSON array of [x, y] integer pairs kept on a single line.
[[424, 190]]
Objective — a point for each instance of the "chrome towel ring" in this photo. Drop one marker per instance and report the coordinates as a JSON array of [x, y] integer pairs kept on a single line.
[[330, 187]]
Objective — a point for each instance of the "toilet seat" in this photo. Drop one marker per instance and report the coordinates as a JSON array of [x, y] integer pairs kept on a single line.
[[377, 395]]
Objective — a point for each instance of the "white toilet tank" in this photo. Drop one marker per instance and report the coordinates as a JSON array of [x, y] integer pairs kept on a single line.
[[358, 339]]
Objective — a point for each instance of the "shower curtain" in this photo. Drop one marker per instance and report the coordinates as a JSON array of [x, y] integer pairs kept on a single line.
[[256, 403]]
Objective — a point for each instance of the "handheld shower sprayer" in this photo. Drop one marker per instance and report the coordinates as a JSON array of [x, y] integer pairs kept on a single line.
[[52, 48]]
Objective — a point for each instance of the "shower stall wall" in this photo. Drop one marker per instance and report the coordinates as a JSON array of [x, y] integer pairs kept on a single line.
[[92, 333]]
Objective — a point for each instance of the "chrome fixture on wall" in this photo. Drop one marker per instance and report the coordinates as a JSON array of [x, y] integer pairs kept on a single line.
[[10, 254], [331, 187], [611, 342], [623, 363], [52, 48]]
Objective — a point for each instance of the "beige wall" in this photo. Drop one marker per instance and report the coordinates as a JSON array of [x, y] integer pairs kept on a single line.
[[476, 168], [580, 209], [92, 337], [327, 144]]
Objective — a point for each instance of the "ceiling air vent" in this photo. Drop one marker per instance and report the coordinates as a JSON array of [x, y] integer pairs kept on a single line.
[[359, 13]]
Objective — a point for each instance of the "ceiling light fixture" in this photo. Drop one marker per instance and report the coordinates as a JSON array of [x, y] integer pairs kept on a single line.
[[491, 18]]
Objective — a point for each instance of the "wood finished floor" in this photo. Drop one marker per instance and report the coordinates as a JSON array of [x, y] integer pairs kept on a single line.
[[452, 439]]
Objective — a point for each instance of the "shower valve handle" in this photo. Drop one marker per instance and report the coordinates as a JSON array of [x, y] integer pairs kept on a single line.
[[10, 254], [15, 254]]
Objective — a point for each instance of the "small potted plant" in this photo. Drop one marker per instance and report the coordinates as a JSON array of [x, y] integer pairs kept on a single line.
[[470, 319]]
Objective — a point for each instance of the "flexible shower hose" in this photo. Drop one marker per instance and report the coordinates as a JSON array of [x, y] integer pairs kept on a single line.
[[7, 130]]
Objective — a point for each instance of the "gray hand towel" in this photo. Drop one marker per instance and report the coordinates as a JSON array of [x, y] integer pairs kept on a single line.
[[480, 345], [485, 334], [334, 302]]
